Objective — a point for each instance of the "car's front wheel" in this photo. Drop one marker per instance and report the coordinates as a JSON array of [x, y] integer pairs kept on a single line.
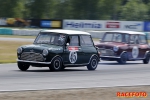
[[56, 64], [122, 59], [93, 64], [146, 60], [23, 66]]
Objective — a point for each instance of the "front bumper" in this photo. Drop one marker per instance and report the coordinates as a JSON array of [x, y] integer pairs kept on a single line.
[[33, 62], [109, 58]]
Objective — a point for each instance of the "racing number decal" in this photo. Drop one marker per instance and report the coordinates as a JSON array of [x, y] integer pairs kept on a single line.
[[135, 52], [73, 54]]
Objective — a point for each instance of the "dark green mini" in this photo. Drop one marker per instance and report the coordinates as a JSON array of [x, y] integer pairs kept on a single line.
[[58, 49]]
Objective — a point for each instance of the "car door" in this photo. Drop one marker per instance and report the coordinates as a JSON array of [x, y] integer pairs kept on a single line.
[[88, 47], [73, 54], [143, 45], [134, 48]]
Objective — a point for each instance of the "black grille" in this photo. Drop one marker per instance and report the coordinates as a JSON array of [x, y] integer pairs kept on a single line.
[[32, 56], [106, 52]]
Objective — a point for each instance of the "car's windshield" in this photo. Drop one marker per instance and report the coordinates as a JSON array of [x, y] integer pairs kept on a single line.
[[50, 38], [113, 37]]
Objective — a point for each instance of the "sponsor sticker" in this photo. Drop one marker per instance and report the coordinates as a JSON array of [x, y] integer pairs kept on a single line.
[[146, 26], [135, 52], [82, 24], [45, 23], [73, 53], [112, 24], [55, 24], [51, 24], [134, 26], [73, 57], [73, 48]]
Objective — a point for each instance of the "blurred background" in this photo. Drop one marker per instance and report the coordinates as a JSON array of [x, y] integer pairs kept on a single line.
[[133, 10], [25, 12]]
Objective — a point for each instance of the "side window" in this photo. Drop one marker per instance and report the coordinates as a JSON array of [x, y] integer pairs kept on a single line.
[[107, 37], [142, 39], [74, 41], [86, 40], [126, 39], [134, 39], [117, 37]]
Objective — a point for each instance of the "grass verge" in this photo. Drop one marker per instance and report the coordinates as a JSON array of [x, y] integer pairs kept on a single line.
[[8, 50], [109, 93]]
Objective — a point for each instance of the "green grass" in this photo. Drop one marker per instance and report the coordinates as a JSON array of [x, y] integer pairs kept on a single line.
[[8, 50]]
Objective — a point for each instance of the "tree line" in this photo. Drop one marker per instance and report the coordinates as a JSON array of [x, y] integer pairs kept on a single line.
[[135, 10]]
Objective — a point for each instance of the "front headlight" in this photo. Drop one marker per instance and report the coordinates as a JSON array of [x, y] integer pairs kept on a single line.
[[45, 52], [115, 48], [19, 50]]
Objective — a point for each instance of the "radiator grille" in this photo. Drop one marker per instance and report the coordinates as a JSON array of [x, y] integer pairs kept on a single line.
[[106, 52], [32, 56]]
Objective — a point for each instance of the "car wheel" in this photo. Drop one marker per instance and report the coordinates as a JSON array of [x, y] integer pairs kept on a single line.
[[123, 59], [63, 67], [56, 64], [93, 64], [146, 60], [23, 66]]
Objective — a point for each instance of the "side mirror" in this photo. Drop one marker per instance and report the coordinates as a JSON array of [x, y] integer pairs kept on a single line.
[[67, 44]]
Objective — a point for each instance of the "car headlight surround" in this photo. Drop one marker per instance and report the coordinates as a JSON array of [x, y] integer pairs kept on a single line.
[[19, 50], [115, 48], [45, 52]]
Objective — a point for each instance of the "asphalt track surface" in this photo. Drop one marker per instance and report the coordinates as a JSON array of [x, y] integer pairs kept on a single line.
[[107, 74]]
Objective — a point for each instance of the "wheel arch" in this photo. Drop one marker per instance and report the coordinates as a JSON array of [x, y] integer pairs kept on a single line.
[[123, 52], [94, 55], [56, 57], [147, 52]]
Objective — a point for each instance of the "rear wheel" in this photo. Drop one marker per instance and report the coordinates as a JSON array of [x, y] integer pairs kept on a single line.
[[63, 67], [146, 60], [56, 64], [123, 59], [23, 66], [93, 64]]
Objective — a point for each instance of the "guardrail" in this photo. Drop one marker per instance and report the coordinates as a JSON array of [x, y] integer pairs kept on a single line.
[[6, 31]]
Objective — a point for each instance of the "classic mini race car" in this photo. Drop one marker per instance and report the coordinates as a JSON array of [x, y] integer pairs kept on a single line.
[[123, 46], [58, 49]]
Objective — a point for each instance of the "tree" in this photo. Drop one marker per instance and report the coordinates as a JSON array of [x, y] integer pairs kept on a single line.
[[40, 8], [11, 8], [63, 9], [108, 9], [134, 10], [85, 9]]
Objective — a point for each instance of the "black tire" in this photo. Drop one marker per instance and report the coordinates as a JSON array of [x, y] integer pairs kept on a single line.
[[63, 67], [146, 60], [23, 66], [123, 59], [93, 64], [56, 64]]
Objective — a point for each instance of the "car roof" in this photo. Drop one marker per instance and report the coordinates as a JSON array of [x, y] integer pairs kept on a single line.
[[128, 32], [69, 32]]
